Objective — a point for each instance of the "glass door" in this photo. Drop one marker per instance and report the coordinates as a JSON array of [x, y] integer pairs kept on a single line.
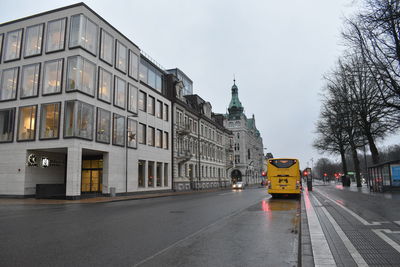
[[92, 173]]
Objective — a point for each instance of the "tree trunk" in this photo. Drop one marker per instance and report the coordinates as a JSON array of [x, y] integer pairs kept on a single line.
[[344, 163], [373, 149], [356, 162]]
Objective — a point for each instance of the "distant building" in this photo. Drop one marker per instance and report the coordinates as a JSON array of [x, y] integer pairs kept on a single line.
[[248, 144]]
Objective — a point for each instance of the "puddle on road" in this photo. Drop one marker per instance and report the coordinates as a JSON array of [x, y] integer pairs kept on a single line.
[[268, 205]]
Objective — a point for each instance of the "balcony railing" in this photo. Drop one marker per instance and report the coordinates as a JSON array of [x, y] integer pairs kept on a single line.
[[184, 156]]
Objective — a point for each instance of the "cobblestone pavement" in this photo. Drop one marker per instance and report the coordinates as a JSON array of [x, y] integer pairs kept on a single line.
[[360, 228]]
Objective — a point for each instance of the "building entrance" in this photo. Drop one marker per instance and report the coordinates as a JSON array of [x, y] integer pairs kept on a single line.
[[92, 175], [236, 176]]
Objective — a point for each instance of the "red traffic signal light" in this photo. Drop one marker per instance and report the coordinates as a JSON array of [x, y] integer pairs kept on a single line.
[[305, 173], [264, 174], [325, 174]]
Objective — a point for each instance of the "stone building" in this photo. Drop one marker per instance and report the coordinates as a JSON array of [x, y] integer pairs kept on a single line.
[[202, 150], [248, 156]]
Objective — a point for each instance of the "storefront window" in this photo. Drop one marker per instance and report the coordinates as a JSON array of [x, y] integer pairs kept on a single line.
[[81, 75], [142, 133], [141, 173], [33, 40], [106, 47], [105, 83], [30, 80], [7, 118], [55, 39], [132, 134], [142, 101], [165, 112], [78, 120], [159, 173], [150, 136], [166, 174], [150, 173], [121, 57], [159, 137], [132, 98], [49, 120], [165, 140], [9, 80], [83, 33], [150, 105], [118, 130], [27, 123], [52, 76], [12, 45], [103, 126], [133, 65], [119, 92]]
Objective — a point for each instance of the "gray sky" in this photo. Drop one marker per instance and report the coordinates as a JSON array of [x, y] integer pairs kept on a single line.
[[278, 51]]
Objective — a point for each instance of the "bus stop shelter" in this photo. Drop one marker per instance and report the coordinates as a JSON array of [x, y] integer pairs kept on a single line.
[[384, 176]]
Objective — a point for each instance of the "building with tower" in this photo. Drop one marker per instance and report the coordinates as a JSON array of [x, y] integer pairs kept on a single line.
[[248, 154]]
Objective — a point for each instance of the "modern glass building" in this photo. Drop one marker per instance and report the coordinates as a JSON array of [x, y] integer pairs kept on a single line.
[[82, 112]]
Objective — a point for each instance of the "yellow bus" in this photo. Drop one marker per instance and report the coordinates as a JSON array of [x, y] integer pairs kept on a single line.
[[283, 177]]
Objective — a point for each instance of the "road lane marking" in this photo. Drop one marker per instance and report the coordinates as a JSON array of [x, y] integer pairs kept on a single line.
[[321, 252], [346, 241], [381, 234], [397, 222], [359, 218]]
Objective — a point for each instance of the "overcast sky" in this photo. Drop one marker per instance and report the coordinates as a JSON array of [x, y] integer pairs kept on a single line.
[[278, 51]]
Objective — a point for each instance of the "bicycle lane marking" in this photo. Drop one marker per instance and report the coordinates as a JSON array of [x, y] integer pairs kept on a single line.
[[346, 241], [321, 252]]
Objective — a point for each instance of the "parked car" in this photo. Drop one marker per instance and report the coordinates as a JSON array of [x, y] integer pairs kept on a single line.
[[238, 185]]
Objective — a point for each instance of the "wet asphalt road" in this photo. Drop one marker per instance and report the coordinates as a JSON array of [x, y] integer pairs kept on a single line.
[[226, 228]]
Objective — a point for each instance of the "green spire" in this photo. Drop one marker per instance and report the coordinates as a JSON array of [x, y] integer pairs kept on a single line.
[[235, 106]]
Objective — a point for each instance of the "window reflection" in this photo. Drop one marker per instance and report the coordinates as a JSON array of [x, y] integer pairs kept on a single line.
[[55, 39], [107, 47], [165, 140], [118, 130], [103, 126], [49, 120], [150, 105], [30, 80], [78, 121], [33, 40], [133, 65], [83, 33], [119, 92], [27, 123], [132, 133], [52, 75], [142, 133], [132, 98], [150, 136], [7, 117], [105, 82], [150, 75], [142, 101], [81, 75], [159, 107], [121, 57], [13, 45], [8, 87], [158, 138]]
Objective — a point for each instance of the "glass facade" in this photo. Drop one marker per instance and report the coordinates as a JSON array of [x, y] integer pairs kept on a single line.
[[119, 92], [132, 134], [52, 77], [142, 133], [50, 120], [27, 123], [106, 47], [142, 101], [33, 40], [55, 37], [105, 85], [132, 98], [118, 130], [150, 75], [12, 46], [83, 33], [7, 119], [121, 57], [150, 136], [8, 86], [133, 65], [30, 80], [78, 120], [103, 126], [81, 75]]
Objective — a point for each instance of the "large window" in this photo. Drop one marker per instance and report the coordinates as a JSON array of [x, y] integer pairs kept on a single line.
[[1, 44], [159, 136], [141, 173], [78, 120], [103, 126], [83, 33], [50, 121], [27, 123], [121, 57], [159, 173], [7, 118], [159, 109], [30, 80], [118, 130], [150, 75], [142, 101], [150, 136], [8, 86], [55, 39], [132, 98], [151, 105], [106, 47], [150, 173], [105, 83], [52, 76], [165, 140], [165, 112], [132, 134], [33, 40], [142, 134], [166, 174], [81, 75], [119, 92], [12, 47], [133, 65]]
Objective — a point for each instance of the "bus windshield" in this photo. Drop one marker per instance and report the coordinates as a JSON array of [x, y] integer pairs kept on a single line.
[[283, 163]]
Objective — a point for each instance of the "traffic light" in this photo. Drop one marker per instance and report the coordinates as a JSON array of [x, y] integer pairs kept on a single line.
[[325, 174], [264, 174], [305, 173]]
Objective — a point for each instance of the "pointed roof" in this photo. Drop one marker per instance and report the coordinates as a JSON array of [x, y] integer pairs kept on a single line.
[[235, 106]]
